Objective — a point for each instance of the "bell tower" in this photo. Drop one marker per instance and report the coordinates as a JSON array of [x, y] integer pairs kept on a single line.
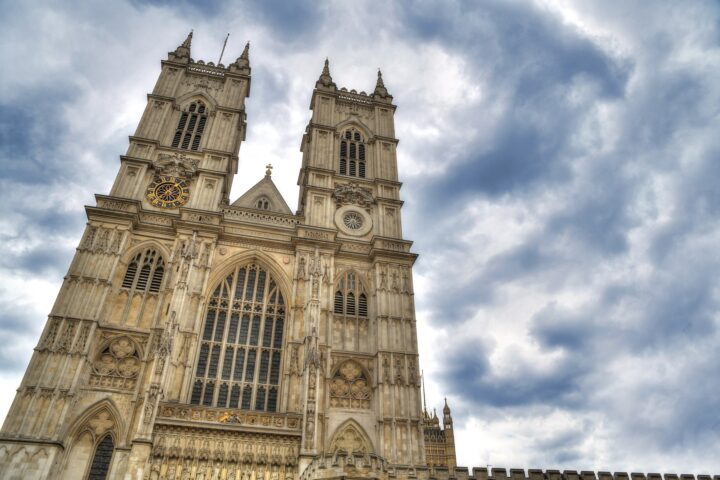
[[184, 152], [119, 336], [349, 151], [360, 317]]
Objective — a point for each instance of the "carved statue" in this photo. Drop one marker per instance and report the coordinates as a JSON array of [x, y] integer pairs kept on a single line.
[[353, 194]]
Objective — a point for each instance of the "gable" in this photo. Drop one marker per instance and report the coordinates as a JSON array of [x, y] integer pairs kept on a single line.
[[264, 195]]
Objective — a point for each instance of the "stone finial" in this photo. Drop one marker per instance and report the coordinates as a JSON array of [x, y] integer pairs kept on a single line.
[[325, 78], [380, 89], [268, 170]]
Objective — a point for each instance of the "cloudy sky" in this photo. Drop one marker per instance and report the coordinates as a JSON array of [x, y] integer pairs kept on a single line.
[[561, 167]]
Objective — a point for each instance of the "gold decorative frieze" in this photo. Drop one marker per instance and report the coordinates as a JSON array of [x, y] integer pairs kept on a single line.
[[220, 416]]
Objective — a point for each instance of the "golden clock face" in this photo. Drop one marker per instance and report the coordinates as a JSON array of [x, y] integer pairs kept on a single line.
[[168, 192]]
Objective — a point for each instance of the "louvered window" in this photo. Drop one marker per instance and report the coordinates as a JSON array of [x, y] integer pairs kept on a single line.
[[191, 127], [145, 272], [352, 154], [238, 364], [350, 297], [339, 302]]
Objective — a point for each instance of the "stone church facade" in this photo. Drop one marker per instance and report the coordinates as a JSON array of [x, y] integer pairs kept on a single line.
[[195, 337]]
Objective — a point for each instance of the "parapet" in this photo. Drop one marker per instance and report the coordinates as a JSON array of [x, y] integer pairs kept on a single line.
[[482, 473]]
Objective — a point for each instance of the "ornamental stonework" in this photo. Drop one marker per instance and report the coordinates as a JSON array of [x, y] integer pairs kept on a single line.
[[349, 387]]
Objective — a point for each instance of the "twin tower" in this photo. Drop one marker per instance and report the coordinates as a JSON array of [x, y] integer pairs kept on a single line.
[[199, 337]]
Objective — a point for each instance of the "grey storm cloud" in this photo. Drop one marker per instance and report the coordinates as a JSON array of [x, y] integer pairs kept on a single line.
[[560, 164]]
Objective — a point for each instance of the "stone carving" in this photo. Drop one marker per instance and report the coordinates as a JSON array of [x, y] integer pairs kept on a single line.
[[350, 440], [150, 401], [386, 368], [404, 284], [117, 365], [394, 285], [349, 387], [353, 194], [294, 362], [301, 269], [90, 238], [412, 372], [165, 343], [82, 339], [176, 164], [51, 334], [399, 376], [66, 340], [271, 421], [101, 423]]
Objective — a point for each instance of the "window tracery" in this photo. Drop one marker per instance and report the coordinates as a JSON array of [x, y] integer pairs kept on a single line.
[[190, 127], [145, 272], [238, 364], [349, 387], [117, 365], [352, 154]]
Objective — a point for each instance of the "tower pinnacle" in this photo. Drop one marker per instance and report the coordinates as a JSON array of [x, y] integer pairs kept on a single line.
[[325, 78], [242, 63], [380, 89], [182, 52]]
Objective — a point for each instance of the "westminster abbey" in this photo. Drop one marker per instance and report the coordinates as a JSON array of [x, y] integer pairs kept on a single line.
[[200, 337]]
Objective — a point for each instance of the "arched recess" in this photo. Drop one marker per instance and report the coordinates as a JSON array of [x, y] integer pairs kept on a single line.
[[242, 335], [93, 438], [351, 438], [184, 100], [351, 309], [354, 122], [251, 256], [131, 303]]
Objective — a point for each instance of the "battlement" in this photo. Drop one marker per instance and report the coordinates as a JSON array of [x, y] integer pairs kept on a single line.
[[462, 473]]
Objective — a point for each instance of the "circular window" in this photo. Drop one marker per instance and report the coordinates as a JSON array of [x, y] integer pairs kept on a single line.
[[353, 220]]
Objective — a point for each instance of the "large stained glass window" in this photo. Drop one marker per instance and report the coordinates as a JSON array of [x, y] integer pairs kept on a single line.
[[238, 363]]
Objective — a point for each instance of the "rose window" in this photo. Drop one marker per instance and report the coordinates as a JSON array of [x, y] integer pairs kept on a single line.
[[353, 220]]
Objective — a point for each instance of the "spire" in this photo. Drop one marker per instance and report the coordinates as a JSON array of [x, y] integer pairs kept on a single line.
[[188, 40], [325, 78], [245, 55], [380, 89], [422, 378]]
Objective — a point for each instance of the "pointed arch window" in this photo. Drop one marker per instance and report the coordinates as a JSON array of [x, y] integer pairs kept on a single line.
[[352, 154], [191, 127], [145, 272], [350, 297], [238, 364], [101, 459]]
